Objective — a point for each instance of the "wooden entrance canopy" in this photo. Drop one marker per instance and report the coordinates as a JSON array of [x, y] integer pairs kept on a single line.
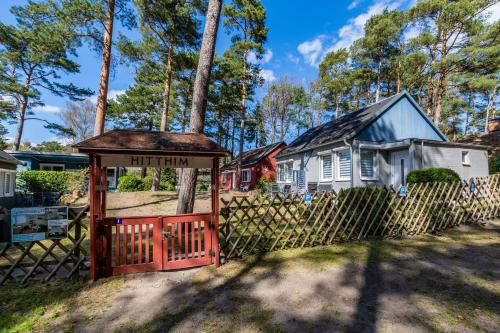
[[178, 241]]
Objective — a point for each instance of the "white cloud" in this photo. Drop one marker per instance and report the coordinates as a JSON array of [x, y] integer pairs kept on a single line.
[[268, 75], [494, 13], [112, 94], [267, 56], [47, 109], [312, 50], [293, 58], [252, 57], [354, 28], [354, 4]]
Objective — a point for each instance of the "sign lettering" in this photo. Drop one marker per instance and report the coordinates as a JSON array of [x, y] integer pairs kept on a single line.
[[156, 161]]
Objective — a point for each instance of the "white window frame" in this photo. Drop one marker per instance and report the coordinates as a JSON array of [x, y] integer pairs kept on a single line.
[[467, 157], [285, 171], [376, 175], [51, 165], [11, 176], [337, 165], [246, 171], [321, 156], [2, 183]]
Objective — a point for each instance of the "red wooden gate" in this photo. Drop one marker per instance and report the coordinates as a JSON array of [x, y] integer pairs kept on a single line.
[[154, 243]]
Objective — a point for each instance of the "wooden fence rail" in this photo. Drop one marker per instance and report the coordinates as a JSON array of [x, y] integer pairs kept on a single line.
[[42, 260], [251, 225]]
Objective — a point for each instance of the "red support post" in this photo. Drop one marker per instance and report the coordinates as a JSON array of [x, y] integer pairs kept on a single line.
[[215, 210], [93, 227]]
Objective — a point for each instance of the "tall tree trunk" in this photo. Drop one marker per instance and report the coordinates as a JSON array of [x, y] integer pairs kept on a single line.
[[441, 89], [379, 72], [20, 123], [337, 106], [233, 129], [242, 120], [398, 81], [106, 62], [491, 106], [155, 186], [197, 122], [432, 78]]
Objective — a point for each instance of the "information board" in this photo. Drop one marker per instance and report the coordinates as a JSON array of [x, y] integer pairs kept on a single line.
[[39, 223]]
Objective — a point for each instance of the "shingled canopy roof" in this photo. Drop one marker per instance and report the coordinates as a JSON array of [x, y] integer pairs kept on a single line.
[[253, 156], [7, 158], [345, 127], [123, 141]]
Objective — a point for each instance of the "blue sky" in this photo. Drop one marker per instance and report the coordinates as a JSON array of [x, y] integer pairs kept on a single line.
[[300, 33]]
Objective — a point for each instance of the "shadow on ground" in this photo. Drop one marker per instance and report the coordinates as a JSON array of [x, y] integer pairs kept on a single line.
[[422, 284]]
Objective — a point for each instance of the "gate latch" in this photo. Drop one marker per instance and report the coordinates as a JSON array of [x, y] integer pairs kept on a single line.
[[165, 234]]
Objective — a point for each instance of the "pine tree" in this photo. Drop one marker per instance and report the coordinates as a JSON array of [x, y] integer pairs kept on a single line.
[[245, 20]]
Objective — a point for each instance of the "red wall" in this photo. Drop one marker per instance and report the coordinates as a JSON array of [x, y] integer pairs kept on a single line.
[[265, 167]]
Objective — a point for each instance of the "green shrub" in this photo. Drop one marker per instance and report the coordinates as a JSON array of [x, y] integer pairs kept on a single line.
[[50, 181], [263, 184], [167, 186], [131, 183], [432, 175], [201, 187], [495, 164]]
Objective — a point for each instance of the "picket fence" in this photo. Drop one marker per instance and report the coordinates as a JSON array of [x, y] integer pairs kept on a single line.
[[251, 225]]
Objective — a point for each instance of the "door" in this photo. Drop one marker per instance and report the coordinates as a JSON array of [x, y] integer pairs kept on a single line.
[[399, 168], [187, 241]]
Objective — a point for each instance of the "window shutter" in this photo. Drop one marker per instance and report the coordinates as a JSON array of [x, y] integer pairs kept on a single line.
[[327, 166], [345, 164], [367, 164]]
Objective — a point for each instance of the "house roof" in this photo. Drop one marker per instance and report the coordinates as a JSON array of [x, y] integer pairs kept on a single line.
[[9, 159], [121, 141], [46, 155], [491, 139], [253, 156], [347, 126]]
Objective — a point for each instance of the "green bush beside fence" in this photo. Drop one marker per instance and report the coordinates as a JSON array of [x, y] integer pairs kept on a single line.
[[51, 181], [432, 175]]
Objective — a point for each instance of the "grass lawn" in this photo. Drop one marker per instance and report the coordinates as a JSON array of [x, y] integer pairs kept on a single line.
[[446, 283]]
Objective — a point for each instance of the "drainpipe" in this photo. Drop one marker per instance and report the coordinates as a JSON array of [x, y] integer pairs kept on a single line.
[[422, 153], [352, 161]]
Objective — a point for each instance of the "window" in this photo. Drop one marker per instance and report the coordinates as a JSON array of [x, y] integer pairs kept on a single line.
[[368, 164], [326, 170], [289, 172], [51, 167], [281, 172], [8, 185], [344, 165], [465, 158], [245, 175], [285, 172]]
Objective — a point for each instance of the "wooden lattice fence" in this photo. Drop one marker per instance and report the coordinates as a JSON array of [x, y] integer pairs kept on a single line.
[[256, 224], [42, 260]]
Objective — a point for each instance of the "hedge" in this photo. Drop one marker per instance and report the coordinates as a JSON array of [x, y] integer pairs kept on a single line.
[[50, 181], [133, 183], [432, 175]]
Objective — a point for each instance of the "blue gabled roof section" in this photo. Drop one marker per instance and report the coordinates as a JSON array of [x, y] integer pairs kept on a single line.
[[394, 118], [402, 119]]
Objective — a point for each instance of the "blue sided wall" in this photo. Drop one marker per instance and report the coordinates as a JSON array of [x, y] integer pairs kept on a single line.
[[402, 121]]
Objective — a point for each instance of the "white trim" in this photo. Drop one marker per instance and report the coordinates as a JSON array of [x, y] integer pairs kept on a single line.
[[322, 179], [2, 183], [467, 157], [249, 175], [376, 173], [51, 165], [8, 179], [285, 171], [337, 165]]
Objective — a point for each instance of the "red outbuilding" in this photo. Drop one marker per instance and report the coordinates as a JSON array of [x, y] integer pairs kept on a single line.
[[256, 163]]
